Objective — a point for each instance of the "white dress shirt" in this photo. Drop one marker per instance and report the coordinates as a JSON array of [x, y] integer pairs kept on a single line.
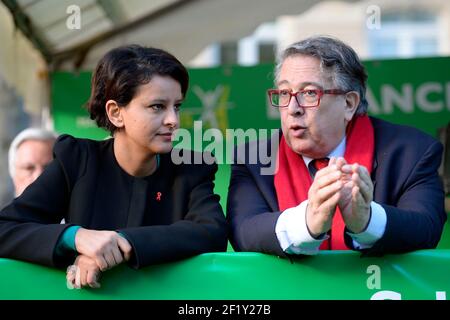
[[293, 234]]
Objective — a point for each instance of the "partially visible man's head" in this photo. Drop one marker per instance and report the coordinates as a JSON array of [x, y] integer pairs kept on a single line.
[[320, 63], [30, 152]]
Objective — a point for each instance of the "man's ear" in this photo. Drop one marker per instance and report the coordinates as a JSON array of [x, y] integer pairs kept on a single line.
[[351, 104], [113, 111]]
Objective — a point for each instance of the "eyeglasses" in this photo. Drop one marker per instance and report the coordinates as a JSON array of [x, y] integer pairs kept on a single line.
[[308, 98]]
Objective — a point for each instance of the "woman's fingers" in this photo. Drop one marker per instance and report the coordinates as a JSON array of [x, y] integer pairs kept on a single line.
[[83, 273], [107, 248], [78, 279], [70, 276], [125, 247], [92, 279]]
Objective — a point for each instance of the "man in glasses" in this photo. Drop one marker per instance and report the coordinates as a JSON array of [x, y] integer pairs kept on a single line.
[[343, 180]]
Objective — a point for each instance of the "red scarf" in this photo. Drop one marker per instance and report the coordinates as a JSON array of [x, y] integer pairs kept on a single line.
[[292, 180]]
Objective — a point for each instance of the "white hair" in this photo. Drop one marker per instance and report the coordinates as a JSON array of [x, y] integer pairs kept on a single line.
[[25, 135]]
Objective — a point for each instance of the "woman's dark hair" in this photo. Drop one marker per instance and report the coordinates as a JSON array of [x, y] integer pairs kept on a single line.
[[122, 70]]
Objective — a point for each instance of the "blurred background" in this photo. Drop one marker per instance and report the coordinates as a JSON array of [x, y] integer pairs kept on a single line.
[[48, 49]]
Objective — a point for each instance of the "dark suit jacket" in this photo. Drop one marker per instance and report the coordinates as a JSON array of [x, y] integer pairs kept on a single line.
[[85, 186], [406, 184]]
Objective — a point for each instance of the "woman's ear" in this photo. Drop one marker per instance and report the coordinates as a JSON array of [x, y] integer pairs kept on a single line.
[[351, 104], [113, 111]]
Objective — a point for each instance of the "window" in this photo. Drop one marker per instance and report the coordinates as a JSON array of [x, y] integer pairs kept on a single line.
[[406, 34], [228, 53], [266, 53]]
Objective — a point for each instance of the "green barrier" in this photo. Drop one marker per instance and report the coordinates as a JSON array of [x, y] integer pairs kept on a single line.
[[423, 274], [444, 243]]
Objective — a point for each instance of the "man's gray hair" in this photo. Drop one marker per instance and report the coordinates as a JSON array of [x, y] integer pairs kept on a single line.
[[25, 135], [335, 57]]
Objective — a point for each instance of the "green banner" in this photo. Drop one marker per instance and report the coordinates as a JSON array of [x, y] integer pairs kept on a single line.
[[70, 94], [329, 275], [415, 92]]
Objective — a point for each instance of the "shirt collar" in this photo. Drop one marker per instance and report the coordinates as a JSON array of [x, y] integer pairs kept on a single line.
[[339, 151]]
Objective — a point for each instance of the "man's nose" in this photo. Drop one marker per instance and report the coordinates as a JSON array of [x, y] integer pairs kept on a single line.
[[294, 109]]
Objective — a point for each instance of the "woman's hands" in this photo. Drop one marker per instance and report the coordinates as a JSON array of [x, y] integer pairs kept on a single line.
[[107, 248], [98, 251], [84, 272]]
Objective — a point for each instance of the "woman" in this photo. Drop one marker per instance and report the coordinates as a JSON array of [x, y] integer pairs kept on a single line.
[[123, 199]]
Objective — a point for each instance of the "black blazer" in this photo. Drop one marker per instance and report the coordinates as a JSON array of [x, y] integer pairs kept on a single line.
[[406, 184], [170, 215]]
